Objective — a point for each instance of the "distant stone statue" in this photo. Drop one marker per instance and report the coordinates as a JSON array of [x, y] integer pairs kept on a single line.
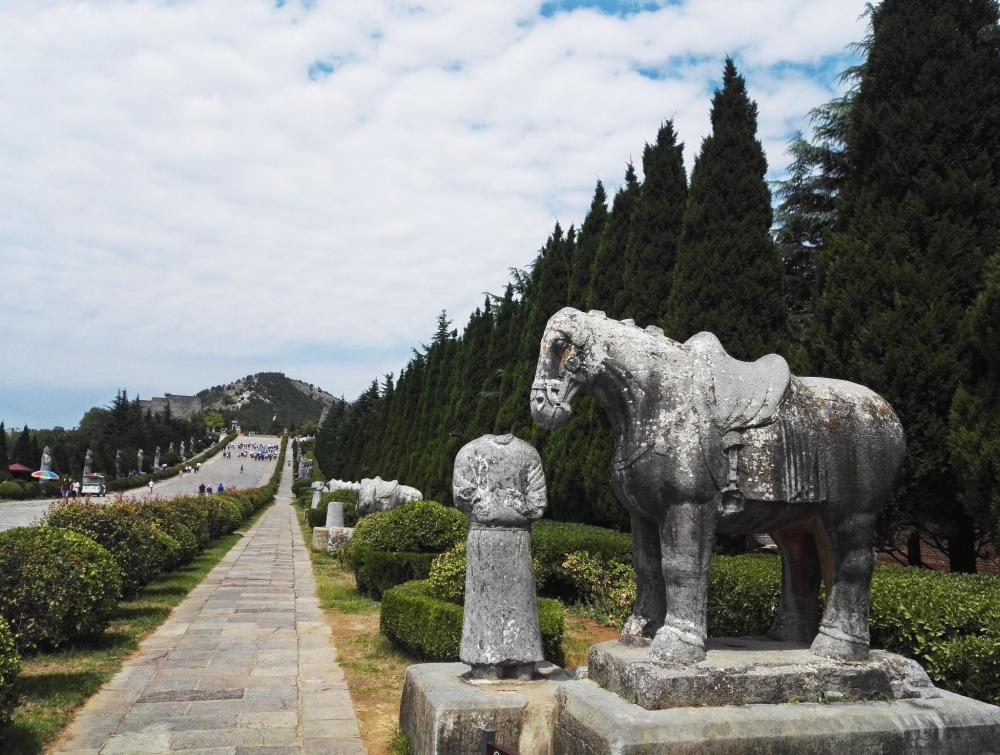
[[156, 458], [384, 495], [138, 461], [45, 465], [192, 445], [183, 455], [499, 483], [118, 463], [170, 448], [88, 462], [705, 443], [333, 485]]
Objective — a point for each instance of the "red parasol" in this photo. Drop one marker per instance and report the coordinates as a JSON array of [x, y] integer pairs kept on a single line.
[[19, 468]]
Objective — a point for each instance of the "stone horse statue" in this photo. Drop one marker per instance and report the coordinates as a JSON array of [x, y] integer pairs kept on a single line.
[[705, 443]]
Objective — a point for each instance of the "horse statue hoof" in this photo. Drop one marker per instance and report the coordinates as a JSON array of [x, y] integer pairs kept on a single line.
[[673, 646], [831, 643], [634, 631]]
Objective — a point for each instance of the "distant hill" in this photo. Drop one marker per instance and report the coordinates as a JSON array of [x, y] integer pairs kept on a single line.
[[256, 399]]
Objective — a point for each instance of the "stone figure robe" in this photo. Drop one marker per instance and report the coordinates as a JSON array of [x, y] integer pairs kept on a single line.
[[499, 483]]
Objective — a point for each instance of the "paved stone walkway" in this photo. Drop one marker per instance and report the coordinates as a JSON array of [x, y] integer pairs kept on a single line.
[[243, 665]]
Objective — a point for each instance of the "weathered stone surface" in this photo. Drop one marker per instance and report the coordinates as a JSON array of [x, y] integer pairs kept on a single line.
[[315, 499], [743, 672], [321, 538], [333, 485], [338, 538], [138, 461], [499, 483], [88, 462], [384, 495], [443, 713], [335, 514], [118, 461], [593, 721], [156, 458], [706, 443]]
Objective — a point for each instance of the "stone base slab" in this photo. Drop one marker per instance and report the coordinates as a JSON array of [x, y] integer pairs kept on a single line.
[[747, 671], [593, 721], [321, 538], [442, 713], [337, 538]]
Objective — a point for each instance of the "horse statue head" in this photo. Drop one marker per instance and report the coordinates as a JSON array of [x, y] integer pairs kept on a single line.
[[589, 352]]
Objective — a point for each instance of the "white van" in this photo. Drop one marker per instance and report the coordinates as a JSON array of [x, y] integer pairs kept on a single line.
[[93, 484]]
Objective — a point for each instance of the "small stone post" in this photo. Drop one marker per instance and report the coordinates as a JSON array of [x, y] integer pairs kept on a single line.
[[335, 514], [315, 500]]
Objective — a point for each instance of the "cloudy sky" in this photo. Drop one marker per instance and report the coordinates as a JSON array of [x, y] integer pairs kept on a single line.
[[191, 191]]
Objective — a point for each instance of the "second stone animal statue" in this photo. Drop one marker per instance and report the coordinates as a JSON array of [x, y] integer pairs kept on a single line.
[[499, 483]]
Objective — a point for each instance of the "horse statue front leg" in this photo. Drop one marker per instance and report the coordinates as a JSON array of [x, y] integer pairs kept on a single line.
[[648, 609], [687, 533]]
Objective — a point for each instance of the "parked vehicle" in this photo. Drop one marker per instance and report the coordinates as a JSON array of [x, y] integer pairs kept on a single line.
[[93, 484]]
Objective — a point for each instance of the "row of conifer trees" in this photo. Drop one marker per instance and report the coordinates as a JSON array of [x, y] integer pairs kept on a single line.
[[883, 267]]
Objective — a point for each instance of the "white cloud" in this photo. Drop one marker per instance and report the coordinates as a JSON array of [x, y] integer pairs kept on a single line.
[[180, 203]]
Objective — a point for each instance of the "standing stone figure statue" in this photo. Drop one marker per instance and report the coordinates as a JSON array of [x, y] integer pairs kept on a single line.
[[499, 483], [46, 463], [88, 462], [170, 448], [156, 458], [705, 443], [118, 463], [138, 461], [192, 445], [183, 455]]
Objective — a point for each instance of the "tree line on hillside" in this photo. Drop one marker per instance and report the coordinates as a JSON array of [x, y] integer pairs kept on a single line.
[[123, 425], [883, 268]]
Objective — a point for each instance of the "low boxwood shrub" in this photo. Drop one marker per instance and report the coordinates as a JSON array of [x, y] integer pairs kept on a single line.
[[224, 514], [431, 629], [316, 517], [415, 527], [552, 542], [11, 489], [141, 548], [10, 665], [299, 486], [446, 579], [377, 571], [55, 585]]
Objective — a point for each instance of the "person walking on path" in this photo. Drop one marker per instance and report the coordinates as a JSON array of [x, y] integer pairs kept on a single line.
[[150, 485]]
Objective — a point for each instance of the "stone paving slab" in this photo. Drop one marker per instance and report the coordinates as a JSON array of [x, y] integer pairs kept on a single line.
[[245, 665]]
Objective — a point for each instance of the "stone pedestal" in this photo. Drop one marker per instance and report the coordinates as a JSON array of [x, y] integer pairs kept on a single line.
[[592, 720], [444, 713], [749, 671], [315, 498], [321, 538], [338, 538]]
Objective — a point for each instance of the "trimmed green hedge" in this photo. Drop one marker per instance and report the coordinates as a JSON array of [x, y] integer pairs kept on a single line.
[[415, 527], [431, 629], [11, 489], [552, 542], [140, 547], [10, 665], [392, 547], [55, 585], [377, 571]]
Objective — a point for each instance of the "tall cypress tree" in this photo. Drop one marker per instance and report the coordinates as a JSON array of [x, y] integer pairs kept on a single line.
[[919, 216], [606, 273], [728, 274], [4, 461], [585, 249], [656, 228]]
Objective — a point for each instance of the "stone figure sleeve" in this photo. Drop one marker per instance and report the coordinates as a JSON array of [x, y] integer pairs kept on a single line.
[[531, 504], [464, 491]]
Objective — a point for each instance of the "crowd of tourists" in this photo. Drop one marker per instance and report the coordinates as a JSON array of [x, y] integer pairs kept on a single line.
[[256, 451]]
